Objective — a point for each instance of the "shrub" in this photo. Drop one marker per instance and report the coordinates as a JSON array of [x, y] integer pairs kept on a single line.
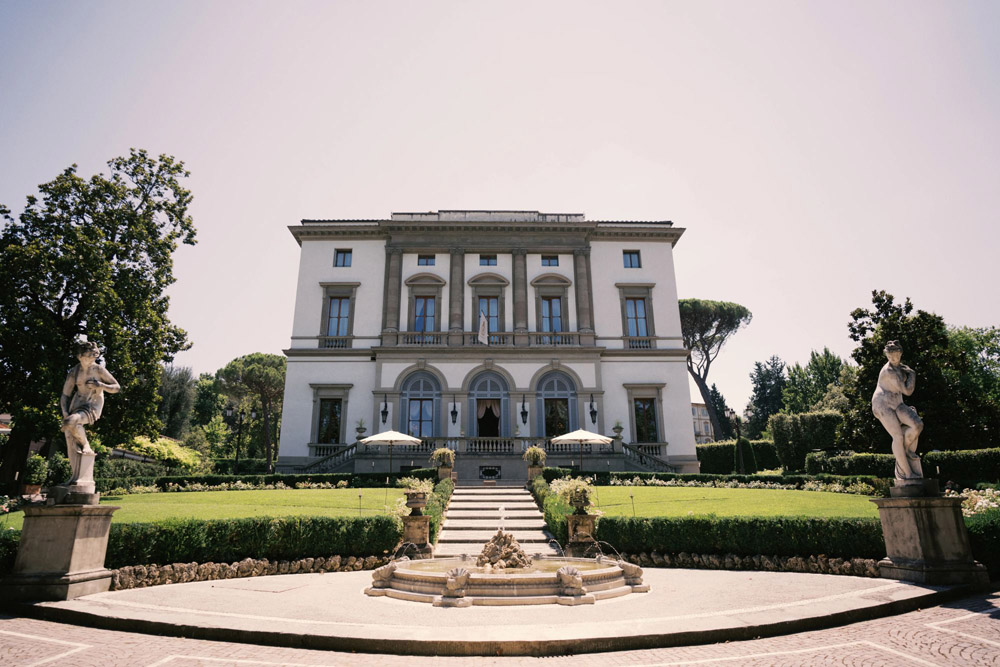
[[36, 470], [553, 507], [882, 465], [354, 480], [60, 470], [437, 504], [247, 466], [795, 435], [570, 489], [108, 466], [415, 485], [229, 540], [765, 454], [535, 456], [984, 533], [745, 536], [167, 450], [549, 474], [964, 467], [443, 457], [717, 458], [9, 539], [818, 430]]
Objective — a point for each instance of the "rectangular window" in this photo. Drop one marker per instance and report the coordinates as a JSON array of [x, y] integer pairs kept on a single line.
[[645, 420], [425, 260], [420, 422], [342, 257], [487, 260], [550, 260], [632, 259], [635, 317], [340, 311], [328, 431], [490, 306], [552, 313], [423, 319]]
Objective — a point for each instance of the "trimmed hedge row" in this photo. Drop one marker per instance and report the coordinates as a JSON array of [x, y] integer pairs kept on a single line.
[[354, 480], [437, 503], [231, 540], [965, 467], [984, 533], [795, 435], [553, 507], [745, 536], [717, 458]]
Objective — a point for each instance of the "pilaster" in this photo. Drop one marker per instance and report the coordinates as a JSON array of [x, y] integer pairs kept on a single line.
[[520, 297], [581, 281], [393, 289], [456, 296]]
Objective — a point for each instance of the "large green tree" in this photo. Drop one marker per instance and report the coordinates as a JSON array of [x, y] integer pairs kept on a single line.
[[952, 394], [176, 400], [807, 385], [719, 403], [90, 256], [260, 377], [208, 400], [768, 380], [706, 326]]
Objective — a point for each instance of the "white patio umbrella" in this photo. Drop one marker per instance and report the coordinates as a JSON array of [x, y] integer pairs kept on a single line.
[[581, 437], [390, 438]]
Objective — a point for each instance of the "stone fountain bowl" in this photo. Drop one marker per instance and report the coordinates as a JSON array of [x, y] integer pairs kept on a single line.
[[458, 582]]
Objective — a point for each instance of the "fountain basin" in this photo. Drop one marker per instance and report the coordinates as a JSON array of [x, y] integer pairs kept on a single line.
[[458, 582]]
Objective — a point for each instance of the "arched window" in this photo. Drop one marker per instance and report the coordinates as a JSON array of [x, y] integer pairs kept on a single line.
[[489, 405], [421, 404], [556, 405]]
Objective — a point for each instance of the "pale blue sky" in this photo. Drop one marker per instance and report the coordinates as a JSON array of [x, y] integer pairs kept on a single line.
[[814, 151]]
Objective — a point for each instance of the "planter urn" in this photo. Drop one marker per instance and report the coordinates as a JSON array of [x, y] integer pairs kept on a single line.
[[416, 501], [444, 472], [580, 502], [533, 471]]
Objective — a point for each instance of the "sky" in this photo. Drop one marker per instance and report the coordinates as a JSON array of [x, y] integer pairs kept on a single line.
[[814, 151]]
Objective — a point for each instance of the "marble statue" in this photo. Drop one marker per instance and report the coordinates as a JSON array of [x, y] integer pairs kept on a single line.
[[896, 380], [81, 403]]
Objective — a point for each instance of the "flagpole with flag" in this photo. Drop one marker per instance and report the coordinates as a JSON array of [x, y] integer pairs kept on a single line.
[[484, 329]]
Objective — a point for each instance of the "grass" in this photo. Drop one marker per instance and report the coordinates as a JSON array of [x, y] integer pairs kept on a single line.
[[683, 501], [150, 507]]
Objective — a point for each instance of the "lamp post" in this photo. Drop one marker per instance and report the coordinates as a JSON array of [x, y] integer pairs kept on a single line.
[[454, 410], [593, 411], [385, 408], [524, 411]]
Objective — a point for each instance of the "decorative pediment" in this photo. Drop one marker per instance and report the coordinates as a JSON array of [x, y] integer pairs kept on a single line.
[[481, 279], [425, 279], [551, 279]]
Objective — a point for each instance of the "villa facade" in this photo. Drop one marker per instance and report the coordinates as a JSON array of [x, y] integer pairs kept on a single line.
[[486, 332]]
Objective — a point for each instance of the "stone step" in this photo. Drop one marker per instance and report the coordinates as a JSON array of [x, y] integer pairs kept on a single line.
[[483, 536], [489, 491], [449, 549], [493, 500], [507, 505], [493, 524], [494, 516]]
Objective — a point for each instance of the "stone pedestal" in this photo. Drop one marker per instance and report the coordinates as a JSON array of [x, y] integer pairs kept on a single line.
[[61, 555], [926, 542], [581, 535], [417, 531]]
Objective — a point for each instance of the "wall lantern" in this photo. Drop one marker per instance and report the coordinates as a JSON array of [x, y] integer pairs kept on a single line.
[[385, 408], [593, 411], [524, 411], [454, 410]]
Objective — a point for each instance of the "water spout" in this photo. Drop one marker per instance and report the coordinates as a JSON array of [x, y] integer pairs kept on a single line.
[[562, 552], [404, 546]]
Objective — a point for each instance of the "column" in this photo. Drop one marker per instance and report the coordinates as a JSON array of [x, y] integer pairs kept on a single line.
[[456, 297], [393, 287], [520, 297], [581, 280]]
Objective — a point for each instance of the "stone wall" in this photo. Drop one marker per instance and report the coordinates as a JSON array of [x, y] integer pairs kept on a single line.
[[856, 567]]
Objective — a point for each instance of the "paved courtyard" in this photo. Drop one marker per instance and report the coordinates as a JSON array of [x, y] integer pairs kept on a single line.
[[965, 632]]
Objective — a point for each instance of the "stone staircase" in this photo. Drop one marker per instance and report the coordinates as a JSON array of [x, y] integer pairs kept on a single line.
[[473, 517]]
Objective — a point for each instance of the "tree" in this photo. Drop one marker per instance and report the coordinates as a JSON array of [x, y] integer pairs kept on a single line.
[[208, 400], [835, 399], [953, 378], [768, 380], [719, 403], [807, 385], [261, 377], [90, 257], [176, 400], [706, 326]]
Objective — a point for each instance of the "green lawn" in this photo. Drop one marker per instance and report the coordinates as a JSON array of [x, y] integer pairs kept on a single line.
[[682, 501], [143, 508]]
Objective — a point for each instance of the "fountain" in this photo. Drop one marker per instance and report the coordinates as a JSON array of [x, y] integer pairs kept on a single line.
[[503, 574]]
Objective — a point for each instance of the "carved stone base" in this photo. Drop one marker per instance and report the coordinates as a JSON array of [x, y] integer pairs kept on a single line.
[[444, 601], [915, 488], [83, 481], [581, 535], [417, 531], [61, 555], [926, 542]]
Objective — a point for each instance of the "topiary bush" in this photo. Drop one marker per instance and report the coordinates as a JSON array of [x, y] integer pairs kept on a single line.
[[230, 540], [743, 449], [716, 457], [60, 470], [795, 435], [36, 470]]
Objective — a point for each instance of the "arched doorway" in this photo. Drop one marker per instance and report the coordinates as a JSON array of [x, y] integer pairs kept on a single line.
[[488, 406], [556, 405], [420, 405]]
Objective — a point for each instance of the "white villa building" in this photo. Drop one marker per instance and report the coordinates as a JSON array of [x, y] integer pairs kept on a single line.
[[581, 331]]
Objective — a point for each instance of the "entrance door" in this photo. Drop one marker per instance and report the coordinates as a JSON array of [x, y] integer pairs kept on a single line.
[[488, 421]]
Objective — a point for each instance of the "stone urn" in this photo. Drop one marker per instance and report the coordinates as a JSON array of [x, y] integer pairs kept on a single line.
[[360, 430], [533, 472], [617, 428], [580, 502], [444, 472], [416, 501]]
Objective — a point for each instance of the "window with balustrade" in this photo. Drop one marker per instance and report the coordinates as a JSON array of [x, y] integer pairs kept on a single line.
[[421, 404], [424, 310], [328, 428], [489, 405], [337, 326], [556, 402], [638, 331]]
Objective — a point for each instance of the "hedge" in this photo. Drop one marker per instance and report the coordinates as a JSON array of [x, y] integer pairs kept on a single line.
[[437, 504], [553, 507], [984, 533], [230, 540], [745, 536], [717, 458], [604, 478], [795, 435], [247, 466], [964, 467], [9, 540], [354, 480]]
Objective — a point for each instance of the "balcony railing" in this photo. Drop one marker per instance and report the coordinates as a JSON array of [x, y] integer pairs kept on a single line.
[[425, 338], [335, 342], [640, 342], [500, 339], [555, 338]]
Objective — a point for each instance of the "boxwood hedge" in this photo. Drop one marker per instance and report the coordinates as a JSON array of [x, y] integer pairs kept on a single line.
[[354, 480], [964, 467]]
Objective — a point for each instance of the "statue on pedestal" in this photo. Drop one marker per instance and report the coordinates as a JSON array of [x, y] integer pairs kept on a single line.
[[81, 403], [896, 380]]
